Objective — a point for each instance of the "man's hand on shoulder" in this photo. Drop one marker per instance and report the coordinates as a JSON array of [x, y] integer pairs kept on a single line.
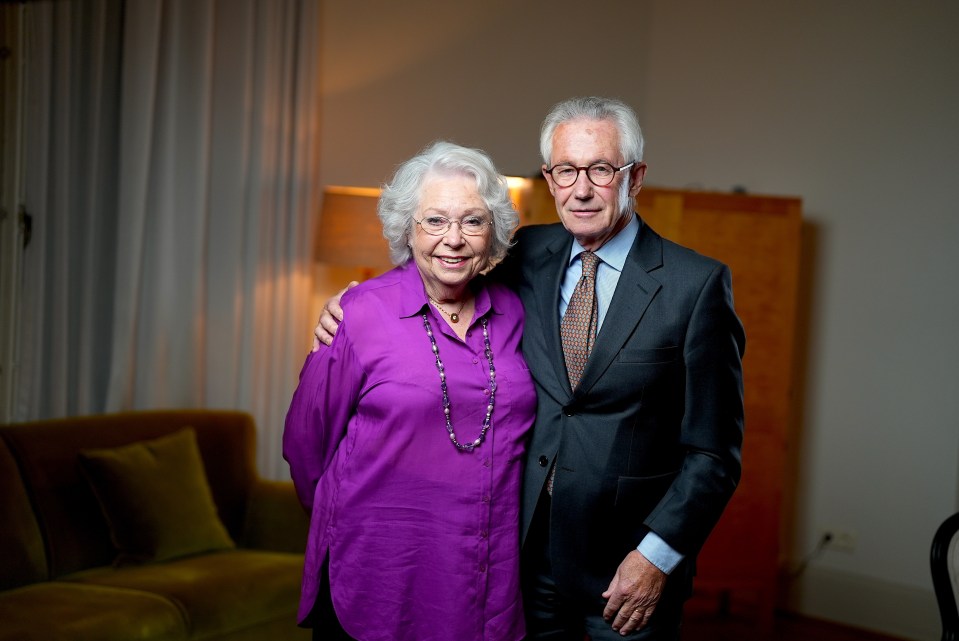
[[330, 317]]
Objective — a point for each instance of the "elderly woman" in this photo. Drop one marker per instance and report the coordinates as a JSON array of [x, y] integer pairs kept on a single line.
[[405, 436]]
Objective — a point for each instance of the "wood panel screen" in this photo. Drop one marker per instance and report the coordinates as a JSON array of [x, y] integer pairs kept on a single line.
[[759, 238]]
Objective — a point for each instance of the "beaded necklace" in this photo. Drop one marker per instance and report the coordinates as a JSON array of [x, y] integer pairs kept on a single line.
[[468, 447]]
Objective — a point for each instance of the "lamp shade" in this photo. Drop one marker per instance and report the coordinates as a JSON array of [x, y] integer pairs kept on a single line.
[[349, 234]]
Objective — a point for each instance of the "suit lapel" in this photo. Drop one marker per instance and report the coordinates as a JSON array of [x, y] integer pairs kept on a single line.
[[547, 274], [634, 292]]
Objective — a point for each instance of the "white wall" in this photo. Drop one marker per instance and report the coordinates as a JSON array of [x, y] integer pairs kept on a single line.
[[853, 107], [850, 105], [481, 73]]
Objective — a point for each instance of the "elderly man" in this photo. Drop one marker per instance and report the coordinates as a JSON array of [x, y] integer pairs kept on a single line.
[[636, 350], [636, 353]]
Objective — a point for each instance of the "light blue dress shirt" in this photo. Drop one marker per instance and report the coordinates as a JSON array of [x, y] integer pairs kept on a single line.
[[613, 257]]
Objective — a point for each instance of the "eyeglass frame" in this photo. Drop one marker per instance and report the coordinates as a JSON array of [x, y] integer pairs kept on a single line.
[[586, 168], [449, 226]]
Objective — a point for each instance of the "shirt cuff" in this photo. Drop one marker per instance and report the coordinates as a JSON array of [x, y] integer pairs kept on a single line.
[[659, 553]]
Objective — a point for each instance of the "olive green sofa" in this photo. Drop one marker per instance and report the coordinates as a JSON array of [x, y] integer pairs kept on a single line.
[[145, 525]]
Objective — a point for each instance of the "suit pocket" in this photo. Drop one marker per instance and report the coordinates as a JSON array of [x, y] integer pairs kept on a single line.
[[649, 356], [636, 497]]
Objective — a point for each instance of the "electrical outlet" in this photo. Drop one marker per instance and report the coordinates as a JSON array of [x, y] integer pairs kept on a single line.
[[838, 539]]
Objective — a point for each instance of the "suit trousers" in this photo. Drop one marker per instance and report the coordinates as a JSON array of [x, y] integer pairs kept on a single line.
[[326, 625], [553, 616]]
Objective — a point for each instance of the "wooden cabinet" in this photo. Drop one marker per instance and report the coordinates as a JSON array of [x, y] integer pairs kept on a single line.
[[759, 238]]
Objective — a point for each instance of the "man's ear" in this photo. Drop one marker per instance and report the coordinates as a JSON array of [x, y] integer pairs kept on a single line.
[[636, 175], [549, 180]]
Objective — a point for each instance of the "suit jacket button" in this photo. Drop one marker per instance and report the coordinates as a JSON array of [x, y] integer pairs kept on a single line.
[[568, 411], [543, 461]]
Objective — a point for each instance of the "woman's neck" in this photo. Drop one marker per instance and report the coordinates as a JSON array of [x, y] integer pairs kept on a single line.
[[456, 309], [449, 296]]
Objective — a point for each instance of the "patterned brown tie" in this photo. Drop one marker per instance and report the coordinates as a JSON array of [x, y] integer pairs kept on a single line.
[[578, 328], [578, 331]]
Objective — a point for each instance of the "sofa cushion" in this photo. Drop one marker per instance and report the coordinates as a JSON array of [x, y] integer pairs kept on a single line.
[[24, 561], [56, 611], [218, 592], [155, 497], [73, 528]]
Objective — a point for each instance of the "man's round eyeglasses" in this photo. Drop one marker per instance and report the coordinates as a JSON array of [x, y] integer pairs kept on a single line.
[[439, 225], [600, 174]]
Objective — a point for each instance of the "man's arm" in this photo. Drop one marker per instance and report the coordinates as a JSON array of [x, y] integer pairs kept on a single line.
[[712, 433], [711, 430]]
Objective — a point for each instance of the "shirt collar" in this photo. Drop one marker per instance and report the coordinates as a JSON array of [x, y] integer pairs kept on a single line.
[[614, 251]]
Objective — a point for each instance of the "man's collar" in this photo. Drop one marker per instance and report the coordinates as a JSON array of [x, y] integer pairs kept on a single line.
[[614, 251]]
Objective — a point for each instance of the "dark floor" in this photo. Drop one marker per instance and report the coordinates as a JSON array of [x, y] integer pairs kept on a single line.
[[785, 628], [705, 621]]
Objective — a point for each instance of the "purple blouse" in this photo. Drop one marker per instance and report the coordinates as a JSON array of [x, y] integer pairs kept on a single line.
[[422, 539]]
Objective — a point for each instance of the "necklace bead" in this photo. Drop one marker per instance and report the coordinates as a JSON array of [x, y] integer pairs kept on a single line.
[[468, 447]]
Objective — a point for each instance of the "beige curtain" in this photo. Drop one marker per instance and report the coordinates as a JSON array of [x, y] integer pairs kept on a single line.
[[194, 245]]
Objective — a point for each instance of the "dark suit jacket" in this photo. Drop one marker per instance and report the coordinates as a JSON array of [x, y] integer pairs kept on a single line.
[[651, 438]]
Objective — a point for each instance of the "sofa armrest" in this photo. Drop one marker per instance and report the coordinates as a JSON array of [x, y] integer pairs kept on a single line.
[[275, 519]]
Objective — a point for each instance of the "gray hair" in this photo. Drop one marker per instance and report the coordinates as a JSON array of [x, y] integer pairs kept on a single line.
[[595, 108], [400, 197]]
